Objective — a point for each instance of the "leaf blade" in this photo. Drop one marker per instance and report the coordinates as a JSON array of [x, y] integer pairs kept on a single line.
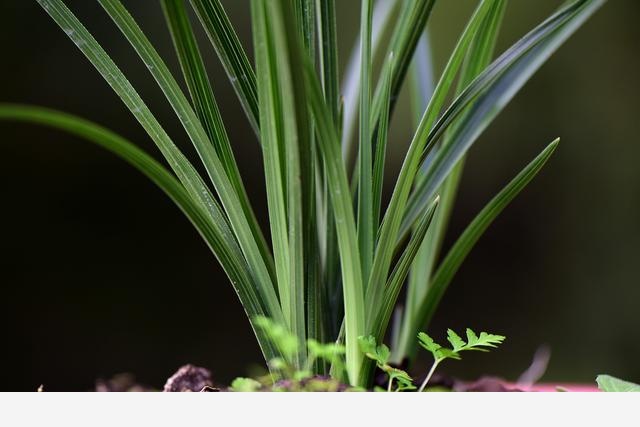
[[225, 249], [224, 39], [393, 217], [365, 155], [353, 295], [478, 57], [194, 129], [473, 232], [205, 105], [498, 84], [612, 384], [399, 273]]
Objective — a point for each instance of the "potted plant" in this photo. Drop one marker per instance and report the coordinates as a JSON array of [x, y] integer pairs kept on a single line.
[[321, 292]]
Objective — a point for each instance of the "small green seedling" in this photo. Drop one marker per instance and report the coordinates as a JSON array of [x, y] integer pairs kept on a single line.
[[245, 385], [284, 368], [381, 354], [474, 342], [330, 353], [286, 343]]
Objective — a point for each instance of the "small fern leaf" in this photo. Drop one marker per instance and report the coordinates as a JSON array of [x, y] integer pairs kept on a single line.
[[455, 340], [482, 342], [472, 338], [490, 340], [429, 344], [447, 353]]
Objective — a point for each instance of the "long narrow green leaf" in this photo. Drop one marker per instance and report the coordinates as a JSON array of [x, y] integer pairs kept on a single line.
[[230, 51], [305, 12], [422, 78], [365, 154], [479, 56], [223, 247], [393, 217], [421, 89], [301, 161], [299, 46], [399, 274], [283, 131], [472, 233], [330, 280], [404, 39], [195, 74], [497, 85], [328, 54], [381, 147], [323, 302], [403, 44], [183, 169], [352, 285], [206, 108], [381, 20], [271, 135], [229, 198]]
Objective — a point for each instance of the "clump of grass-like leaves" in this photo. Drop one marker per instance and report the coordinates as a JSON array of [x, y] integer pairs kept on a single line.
[[338, 258]]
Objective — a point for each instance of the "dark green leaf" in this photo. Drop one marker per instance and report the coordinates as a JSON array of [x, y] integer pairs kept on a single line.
[[216, 234], [352, 284], [230, 51], [449, 266], [497, 85], [206, 107]]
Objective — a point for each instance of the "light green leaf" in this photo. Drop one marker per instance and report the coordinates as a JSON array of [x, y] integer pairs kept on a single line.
[[429, 344], [282, 339], [613, 384], [245, 385], [455, 340], [367, 344], [328, 351], [447, 353], [487, 340], [383, 353], [472, 338]]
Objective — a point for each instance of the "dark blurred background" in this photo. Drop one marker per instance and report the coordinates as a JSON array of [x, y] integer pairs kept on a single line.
[[101, 274]]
